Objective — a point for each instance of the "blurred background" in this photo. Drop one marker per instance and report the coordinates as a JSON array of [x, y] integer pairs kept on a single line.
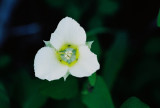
[[126, 40]]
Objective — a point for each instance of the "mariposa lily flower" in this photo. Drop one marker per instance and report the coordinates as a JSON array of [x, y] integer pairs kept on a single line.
[[66, 53]]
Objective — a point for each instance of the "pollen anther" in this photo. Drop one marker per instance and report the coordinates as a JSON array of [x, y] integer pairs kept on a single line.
[[68, 54]]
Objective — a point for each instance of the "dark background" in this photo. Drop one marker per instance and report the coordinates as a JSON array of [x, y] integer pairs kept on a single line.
[[126, 40]]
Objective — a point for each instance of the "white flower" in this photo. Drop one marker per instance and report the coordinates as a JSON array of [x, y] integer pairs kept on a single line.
[[66, 53]]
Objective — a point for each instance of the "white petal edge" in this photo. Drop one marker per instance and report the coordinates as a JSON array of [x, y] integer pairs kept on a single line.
[[46, 65], [68, 31], [87, 63]]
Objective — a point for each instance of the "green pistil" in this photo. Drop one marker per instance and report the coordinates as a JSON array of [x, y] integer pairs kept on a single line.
[[68, 54]]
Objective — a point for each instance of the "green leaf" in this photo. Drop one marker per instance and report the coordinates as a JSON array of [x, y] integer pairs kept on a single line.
[[96, 48], [134, 102], [92, 79], [89, 44], [48, 44], [158, 19], [97, 97], [60, 89], [115, 58], [4, 100]]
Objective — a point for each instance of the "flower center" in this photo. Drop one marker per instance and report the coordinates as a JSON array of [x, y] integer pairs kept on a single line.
[[68, 54]]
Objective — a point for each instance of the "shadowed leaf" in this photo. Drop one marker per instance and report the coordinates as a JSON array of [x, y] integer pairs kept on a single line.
[[108, 7], [4, 100], [4, 60], [115, 58], [134, 102], [152, 46]]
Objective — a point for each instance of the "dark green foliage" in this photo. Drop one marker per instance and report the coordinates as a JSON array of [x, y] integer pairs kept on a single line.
[[98, 96], [4, 99], [4, 60], [158, 19], [153, 46], [76, 103], [60, 89], [96, 48], [92, 79], [134, 102], [126, 41], [108, 7], [96, 31], [28, 91], [115, 58]]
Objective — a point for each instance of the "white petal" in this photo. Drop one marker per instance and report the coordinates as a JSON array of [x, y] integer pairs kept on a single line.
[[68, 31], [46, 65], [87, 63]]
